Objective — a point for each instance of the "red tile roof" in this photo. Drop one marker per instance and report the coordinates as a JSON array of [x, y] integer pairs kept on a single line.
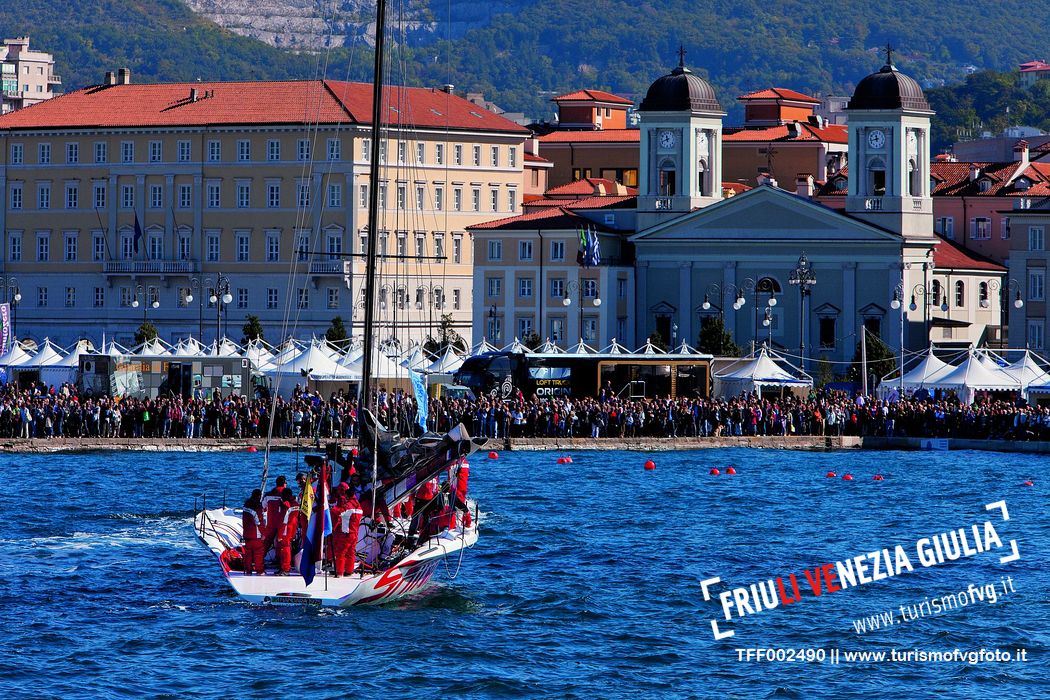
[[950, 255], [779, 94], [602, 136], [1031, 66], [953, 179], [592, 95], [596, 202], [263, 102], [830, 133], [546, 218], [736, 187], [588, 186], [530, 158]]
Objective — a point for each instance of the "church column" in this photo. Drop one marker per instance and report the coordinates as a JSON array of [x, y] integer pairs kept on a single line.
[[850, 312], [641, 308], [685, 300]]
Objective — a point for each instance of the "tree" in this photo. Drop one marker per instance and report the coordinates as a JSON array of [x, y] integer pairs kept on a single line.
[[447, 338], [146, 332], [825, 372], [881, 360], [658, 341], [336, 332], [532, 340], [252, 329], [716, 340]]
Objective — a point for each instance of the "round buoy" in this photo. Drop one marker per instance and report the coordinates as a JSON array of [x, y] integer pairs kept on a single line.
[[847, 477], [561, 460], [714, 471], [877, 477], [1029, 483], [650, 465], [730, 470], [353, 452], [568, 460], [831, 475], [493, 455]]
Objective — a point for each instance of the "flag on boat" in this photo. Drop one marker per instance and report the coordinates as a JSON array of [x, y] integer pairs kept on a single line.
[[138, 232], [589, 254], [319, 527], [422, 400]]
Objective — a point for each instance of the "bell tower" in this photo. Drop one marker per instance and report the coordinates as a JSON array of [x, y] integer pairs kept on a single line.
[[889, 144], [680, 166]]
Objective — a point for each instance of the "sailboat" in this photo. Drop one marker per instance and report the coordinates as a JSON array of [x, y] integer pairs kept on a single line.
[[396, 561]]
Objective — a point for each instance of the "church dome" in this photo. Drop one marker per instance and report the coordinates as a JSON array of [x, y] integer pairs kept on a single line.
[[888, 89], [680, 90]]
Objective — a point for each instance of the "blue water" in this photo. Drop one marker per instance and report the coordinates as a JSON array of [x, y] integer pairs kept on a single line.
[[585, 583]]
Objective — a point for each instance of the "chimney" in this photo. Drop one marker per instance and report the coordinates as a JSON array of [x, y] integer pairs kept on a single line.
[[448, 88], [794, 130], [194, 95], [766, 179], [804, 185], [124, 76], [110, 78], [975, 172], [1021, 152]]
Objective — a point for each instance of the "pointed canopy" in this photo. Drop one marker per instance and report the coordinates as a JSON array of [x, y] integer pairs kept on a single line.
[[581, 348], [760, 369], [73, 358], [114, 350], [288, 350], [926, 372], [48, 354], [312, 362], [448, 363], [685, 349], [615, 348], [224, 348], [649, 349], [1027, 371], [152, 347], [382, 366], [517, 346], [973, 375], [551, 348], [483, 347], [414, 359], [187, 347], [15, 356], [258, 353]]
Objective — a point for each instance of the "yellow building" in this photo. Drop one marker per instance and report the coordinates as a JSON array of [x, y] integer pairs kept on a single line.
[[127, 202]]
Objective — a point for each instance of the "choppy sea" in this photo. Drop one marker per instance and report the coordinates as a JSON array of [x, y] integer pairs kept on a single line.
[[585, 582]]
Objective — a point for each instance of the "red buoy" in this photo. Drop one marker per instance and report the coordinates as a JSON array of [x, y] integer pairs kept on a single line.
[[730, 470], [847, 477], [714, 471], [253, 448], [353, 452], [493, 455], [877, 477], [1029, 483], [650, 465], [568, 459], [831, 475]]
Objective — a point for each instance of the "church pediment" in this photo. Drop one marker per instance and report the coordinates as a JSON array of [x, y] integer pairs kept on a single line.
[[764, 214], [827, 310], [663, 308]]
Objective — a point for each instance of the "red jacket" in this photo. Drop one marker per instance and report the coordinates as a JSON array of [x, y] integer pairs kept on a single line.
[[288, 522], [252, 523], [346, 516]]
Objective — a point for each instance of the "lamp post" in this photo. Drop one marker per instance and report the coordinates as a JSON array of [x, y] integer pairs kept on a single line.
[[803, 277], [1012, 285], [146, 303], [220, 295], [195, 283], [768, 323], [721, 290], [926, 294], [765, 285], [580, 288], [897, 303], [12, 295]]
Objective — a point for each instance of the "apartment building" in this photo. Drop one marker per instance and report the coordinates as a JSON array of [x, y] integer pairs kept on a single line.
[[127, 202], [1024, 293], [26, 77]]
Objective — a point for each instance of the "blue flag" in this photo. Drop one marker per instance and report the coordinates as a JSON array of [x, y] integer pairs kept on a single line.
[[319, 527], [138, 232], [594, 253], [422, 400]]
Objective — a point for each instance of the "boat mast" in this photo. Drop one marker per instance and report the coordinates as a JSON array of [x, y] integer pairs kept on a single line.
[[365, 397]]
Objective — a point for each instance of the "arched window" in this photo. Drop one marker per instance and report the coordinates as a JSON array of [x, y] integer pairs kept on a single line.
[[913, 179], [666, 185], [877, 177], [982, 294], [936, 292], [960, 294], [701, 177]]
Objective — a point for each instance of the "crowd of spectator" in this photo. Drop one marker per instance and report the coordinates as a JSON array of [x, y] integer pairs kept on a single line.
[[44, 412]]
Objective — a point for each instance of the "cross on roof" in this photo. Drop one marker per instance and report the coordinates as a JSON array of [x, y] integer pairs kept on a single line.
[[681, 56], [889, 55]]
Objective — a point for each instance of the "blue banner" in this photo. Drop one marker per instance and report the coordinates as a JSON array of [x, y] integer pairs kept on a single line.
[[422, 400]]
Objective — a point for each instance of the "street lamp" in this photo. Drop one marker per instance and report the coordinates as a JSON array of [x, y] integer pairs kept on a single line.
[[146, 303], [11, 285], [768, 323], [803, 277], [579, 288], [721, 291], [1012, 286], [764, 285], [195, 283], [220, 293]]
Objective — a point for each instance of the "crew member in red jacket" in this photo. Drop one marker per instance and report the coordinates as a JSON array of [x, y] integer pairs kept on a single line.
[[287, 526], [346, 519], [271, 503], [254, 532]]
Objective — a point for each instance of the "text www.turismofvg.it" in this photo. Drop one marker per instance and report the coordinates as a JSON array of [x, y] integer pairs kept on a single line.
[[931, 606]]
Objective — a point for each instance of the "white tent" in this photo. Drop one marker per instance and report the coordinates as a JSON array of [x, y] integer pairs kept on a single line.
[[649, 349], [759, 371], [615, 348], [923, 374], [153, 347], [289, 350], [448, 363], [517, 346], [65, 370], [1027, 371], [551, 348], [581, 348], [48, 354], [15, 356], [114, 350], [382, 366], [685, 349], [187, 347], [414, 359], [483, 347], [258, 353], [989, 360], [313, 362], [225, 348], [972, 376]]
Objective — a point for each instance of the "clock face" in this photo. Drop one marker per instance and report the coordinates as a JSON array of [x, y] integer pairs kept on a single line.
[[667, 139], [701, 139], [876, 139]]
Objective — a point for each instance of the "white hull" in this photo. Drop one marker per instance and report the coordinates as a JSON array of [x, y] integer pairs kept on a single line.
[[220, 530]]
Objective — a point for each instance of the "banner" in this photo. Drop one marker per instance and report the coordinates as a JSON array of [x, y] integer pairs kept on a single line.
[[422, 400], [5, 328]]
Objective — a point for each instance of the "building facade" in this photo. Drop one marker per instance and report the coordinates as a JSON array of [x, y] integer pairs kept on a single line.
[[124, 203], [26, 77], [1029, 260]]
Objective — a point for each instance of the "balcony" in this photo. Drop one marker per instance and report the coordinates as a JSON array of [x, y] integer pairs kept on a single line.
[[54, 80], [329, 267], [151, 267]]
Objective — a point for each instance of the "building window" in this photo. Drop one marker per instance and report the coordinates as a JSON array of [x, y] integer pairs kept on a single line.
[[1037, 285], [512, 200], [44, 153], [127, 197], [512, 157], [362, 196], [244, 195], [72, 153], [213, 195], [17, 153], [303, 195], [420, 151], [335, 244], [457, 154], [242, 298], [98, 247], [99, 190], [71, 297], [455, 299], [184, 246], [476, 160], [335, 195], [43, 196], [382, 151], [827, 332], [100, 297], [525, 287], [156, 197], [439, 245], [420, 197], [557, 289], [1036, 337], [495, 156], [495, 251], [401, 147], [936, 292], [494, 199], [303, 298], [16, 248], [524, 327], [127, 247], [273, 195], [185, 196], [439, 153], [476, 198], [525, 251], [1035, 238], [401, 196], [154, 151], [495, 328], [41, 296], [981, 229], [302, 150], [273, 247], [982, 295], [156, 247], [334, 149], [214, 150], [271, 298], [273, 149], [590, 329], [382, 195], [421, 246], [333, 297], [945, 226], [71, 247], [212, 249], [101, 152], [494, 286], [558, 330], [127, 152], [457, 249], [72, 196], [457, 199], [243, 247], [184, 151], [16, 196], [244, 150], [1004, 228], [590, 288], [960, 294]]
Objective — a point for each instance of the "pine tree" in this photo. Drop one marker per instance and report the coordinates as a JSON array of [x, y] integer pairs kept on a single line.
[[336, 332], [881, 360], [252, 329], [146, 332], [716, 340]]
